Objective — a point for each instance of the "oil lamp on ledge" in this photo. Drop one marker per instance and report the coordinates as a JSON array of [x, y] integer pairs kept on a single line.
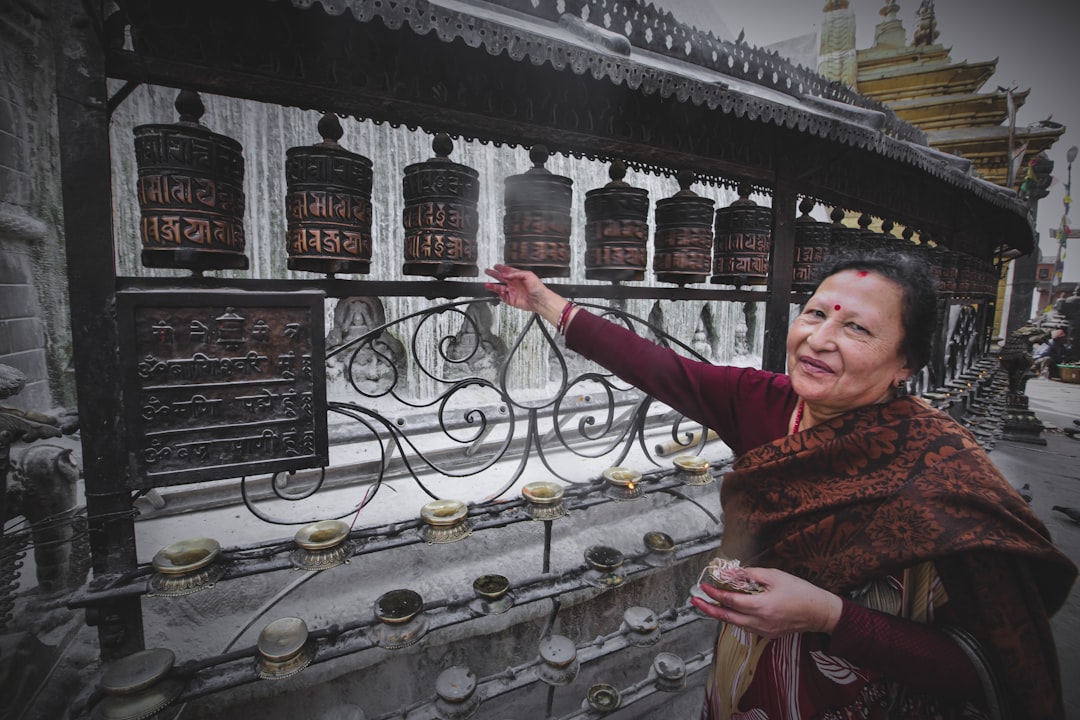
[[670, 672], [284, 649], [185, 567], [661, 549], [559, 663], [622, 483], [601, 698], [544, 500], [642, 626], [321, 545], [457, 696], [605, 567], [445, 521], [492, 595], [137, 686], [401, 620], [692, 470]]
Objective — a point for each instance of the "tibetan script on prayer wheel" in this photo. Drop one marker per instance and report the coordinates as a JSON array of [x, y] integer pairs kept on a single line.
[[440, 216], [328, 205], [616, 229], [684, 235], [191, 194], [811, 245], [222, 384], [536, 223], [743, 242]]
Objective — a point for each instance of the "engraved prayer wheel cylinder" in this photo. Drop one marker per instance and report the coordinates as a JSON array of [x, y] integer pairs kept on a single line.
[[743, 242], [988, 277], [872, 240], [932, 256], [616, 229], [811, 244], [966, 271], [328, 205], [950, 272], [841, 236], [191, 194], [536, 223], [684, 236], [440, 216]]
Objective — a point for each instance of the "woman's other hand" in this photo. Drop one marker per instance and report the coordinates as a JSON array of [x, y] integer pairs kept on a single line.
[[788, 605], [524, 290]]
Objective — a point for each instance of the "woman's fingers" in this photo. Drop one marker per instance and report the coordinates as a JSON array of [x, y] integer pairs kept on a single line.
[[788, 604]]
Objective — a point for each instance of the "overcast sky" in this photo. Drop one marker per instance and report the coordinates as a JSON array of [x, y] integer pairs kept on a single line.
[[1035, 42]]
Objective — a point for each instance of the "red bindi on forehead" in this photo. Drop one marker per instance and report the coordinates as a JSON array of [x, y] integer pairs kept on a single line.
[[835, 307]]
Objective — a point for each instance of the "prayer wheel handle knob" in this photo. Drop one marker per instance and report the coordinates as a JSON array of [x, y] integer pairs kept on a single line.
[[190, 106], [330, 128]]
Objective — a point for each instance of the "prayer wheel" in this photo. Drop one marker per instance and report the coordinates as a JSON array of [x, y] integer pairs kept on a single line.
[[684, 235], [872, 240], [988, 277], [743, 242], [841, 236], [932, 255], [536, 223], [328, 205], [967, 275], [440, 216], [950, 273], [191, 193], [811, 245], [616, 229]]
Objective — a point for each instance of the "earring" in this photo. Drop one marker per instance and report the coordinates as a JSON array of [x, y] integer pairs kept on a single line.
[[901, 387]]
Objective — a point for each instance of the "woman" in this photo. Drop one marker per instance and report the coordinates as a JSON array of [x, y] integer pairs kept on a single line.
[[903, 577]]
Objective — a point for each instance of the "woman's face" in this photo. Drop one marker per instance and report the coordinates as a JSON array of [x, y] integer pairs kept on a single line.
[[844, 347]]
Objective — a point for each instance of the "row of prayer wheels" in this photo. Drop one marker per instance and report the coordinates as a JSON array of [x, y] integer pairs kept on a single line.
[[190, 190]]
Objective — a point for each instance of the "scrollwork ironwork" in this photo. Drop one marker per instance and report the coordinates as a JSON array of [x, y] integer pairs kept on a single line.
[[489, 407]]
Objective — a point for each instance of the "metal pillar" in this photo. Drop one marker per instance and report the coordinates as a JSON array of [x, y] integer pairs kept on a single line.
[[781, 268], [83, 118]]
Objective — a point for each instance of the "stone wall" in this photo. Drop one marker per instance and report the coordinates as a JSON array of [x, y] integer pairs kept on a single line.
[[34, 323]]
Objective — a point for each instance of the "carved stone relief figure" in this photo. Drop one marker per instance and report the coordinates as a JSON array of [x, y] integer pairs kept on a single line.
[[705, 340], [376, 364], [475, 349]]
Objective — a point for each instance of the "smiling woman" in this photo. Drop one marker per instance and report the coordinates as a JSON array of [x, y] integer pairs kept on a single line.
[[888, 545]]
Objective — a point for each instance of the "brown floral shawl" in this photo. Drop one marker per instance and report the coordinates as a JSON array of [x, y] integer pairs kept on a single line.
[[888, 486]]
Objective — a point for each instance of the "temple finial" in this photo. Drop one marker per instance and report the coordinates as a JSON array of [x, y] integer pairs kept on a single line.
[[926, 31]]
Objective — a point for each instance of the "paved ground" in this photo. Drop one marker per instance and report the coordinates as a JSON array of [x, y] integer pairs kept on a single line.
[[1053, 474]]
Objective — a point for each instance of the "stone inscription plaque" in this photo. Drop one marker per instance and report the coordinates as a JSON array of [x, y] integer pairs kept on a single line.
[[222, 384]]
